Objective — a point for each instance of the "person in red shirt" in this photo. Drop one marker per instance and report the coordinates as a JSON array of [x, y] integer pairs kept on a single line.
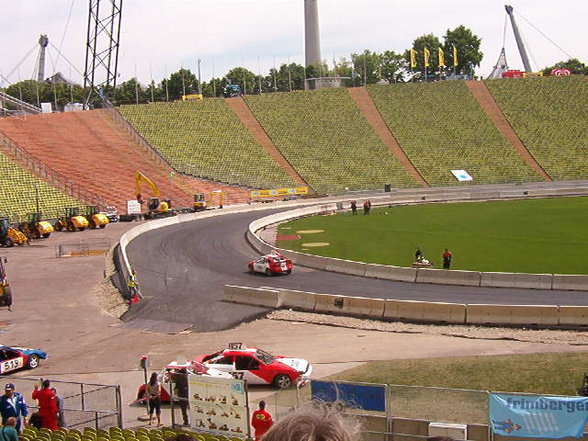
[[447, 256], [261, 421], [47, 405]]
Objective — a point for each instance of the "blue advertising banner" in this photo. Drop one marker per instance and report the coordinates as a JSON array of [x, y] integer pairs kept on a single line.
[[534, 416], [357, 396]]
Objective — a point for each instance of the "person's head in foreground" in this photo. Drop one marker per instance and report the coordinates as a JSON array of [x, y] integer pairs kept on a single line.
[[316, 423]]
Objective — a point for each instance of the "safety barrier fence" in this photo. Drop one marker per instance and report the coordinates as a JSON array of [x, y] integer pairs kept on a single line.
[[84, 404], [410, 310]]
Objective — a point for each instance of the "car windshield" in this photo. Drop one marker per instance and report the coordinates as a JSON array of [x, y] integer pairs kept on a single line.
[[264, 357]]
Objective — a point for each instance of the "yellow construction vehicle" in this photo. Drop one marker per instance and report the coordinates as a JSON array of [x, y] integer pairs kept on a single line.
[[35, 227], [10, 236], [72, 220], [5, 291], [203, 201], [95, 218], [156, 207]]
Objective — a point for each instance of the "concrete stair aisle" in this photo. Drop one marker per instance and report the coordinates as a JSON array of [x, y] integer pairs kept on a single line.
[[97, 156]]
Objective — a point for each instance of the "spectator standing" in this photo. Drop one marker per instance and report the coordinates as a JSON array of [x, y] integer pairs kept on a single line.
[[8, 431], [367, 206], [154, 391], [47, 405], [261, 420], [133, 287], [12, 405], [447, 256], [354, 207], [181, 391], [60, 416]]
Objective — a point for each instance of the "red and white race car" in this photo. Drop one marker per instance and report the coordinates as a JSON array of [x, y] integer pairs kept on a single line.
[[259, 367], [270, 264], [192, 367]]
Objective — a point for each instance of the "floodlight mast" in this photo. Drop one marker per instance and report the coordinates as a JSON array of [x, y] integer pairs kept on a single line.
[[43, 43], [102, 46], [518, 38]]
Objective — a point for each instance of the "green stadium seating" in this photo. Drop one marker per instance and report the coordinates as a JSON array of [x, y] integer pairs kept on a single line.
[[550, 115], [327, 140], [206, 139], [442, 127], [18, 196]]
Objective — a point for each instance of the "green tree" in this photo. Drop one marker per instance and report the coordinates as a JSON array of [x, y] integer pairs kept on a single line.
[[243, 78], [131, 92], [432, 44], [366, 68], [182, 82], [394, 67], [467, 44], [573, 64], [30, 91]]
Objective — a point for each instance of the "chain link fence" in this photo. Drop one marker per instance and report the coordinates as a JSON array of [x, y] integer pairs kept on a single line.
[[84, 405]]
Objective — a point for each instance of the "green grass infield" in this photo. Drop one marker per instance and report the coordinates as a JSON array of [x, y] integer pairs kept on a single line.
[[529, 236]]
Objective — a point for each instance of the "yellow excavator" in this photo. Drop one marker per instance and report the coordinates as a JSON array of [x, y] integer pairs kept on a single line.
[[203, 201], [95, 218], [10, 236], [156, 207], [35, 227]]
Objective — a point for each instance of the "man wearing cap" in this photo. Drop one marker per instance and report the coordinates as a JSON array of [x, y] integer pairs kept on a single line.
[[12, 404]]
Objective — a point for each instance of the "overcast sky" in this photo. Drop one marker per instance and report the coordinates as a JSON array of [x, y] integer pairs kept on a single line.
[[158, 37]]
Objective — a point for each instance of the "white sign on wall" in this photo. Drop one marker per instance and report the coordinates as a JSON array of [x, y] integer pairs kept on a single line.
[[133, 207], [461, 175], [219, 405]]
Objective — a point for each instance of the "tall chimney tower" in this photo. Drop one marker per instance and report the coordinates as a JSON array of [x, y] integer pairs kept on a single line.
[[312, 44]]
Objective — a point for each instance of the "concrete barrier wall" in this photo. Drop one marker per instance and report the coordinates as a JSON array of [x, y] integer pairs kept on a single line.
[[298, 299], [517, 280], [444, 277], [345, 267], [361, 306], [252, 296], [387, 272], [570, 282], [513, 315], [573, 315], [425, 311]]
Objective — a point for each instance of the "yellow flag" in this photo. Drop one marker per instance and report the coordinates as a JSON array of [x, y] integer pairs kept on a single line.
[[427, 55], [441, 57], [413, 62], [454, 55]]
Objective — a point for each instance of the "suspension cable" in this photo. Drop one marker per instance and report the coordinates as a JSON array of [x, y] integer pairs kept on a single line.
[[545, 36]]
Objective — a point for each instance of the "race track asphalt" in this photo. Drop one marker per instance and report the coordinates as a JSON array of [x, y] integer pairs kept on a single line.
[[182, 270]]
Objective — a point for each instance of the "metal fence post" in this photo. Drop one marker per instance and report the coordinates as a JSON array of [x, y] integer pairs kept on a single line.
[[82, 395], [119, 406]]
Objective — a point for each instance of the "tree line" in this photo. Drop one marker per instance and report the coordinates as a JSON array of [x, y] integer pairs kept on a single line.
[[456, 52]]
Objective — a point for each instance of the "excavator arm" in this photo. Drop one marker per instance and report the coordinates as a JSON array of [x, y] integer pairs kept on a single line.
[[139, 178]]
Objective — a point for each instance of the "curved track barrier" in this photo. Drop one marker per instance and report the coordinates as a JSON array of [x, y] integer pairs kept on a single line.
[[547, 316]]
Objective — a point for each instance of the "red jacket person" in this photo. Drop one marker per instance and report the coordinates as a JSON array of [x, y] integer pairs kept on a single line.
[[261, 421], [47, 405]]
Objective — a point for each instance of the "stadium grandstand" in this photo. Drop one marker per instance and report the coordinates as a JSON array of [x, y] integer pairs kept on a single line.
[[441, 127], [327, 140], [550, 115], [206, 139], [22, 190]]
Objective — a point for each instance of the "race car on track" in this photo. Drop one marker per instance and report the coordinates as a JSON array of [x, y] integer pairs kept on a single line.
[[259, 367], [270, 264], [191, 367], [14, 358]]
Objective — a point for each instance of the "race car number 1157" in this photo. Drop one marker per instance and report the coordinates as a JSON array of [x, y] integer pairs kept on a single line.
[[10, 365]]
